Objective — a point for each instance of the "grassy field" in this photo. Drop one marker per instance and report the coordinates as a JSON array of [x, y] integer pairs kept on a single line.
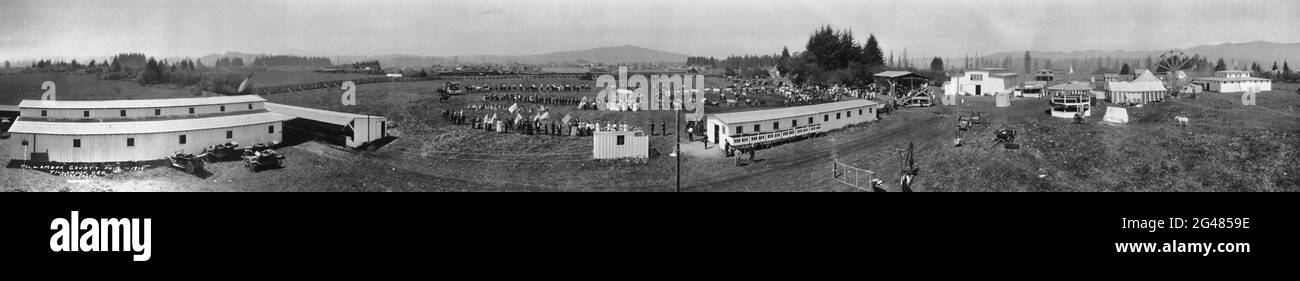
[[1228, 147], [17, 87], [282, 77]]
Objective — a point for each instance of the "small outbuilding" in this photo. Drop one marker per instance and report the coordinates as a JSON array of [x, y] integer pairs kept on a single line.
[[620, 144]]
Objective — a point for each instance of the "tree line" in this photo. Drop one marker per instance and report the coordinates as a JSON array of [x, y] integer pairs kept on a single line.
[[830, 57], [287, 60]]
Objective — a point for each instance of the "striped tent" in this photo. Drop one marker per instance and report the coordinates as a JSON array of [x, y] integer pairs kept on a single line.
[[1145, 88]]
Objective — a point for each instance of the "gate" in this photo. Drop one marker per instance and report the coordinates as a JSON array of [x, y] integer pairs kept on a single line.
[[853, 176]]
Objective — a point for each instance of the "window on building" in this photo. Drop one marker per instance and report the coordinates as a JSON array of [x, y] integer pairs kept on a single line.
[[270, 129], [122, 112], [250, 106], [859, 111], [756, 129], [223, 108], [837, 116], [130, 141], [85, 113], [25, 143], [810, 120], [794, 123], [230, 134], [826, 117], [191, 110], [977, 77], [42, 113], [849, 113], [776, 126], [157, 112], [620, 140], [739, 130], [182, 139], [76, 142]]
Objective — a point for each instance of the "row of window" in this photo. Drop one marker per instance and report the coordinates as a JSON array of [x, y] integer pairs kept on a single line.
[[764, 137], [795, 123], [156, 111], [130, 142]]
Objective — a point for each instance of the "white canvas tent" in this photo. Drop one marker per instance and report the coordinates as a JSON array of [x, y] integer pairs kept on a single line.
[[1117, 115], [1003, 99]]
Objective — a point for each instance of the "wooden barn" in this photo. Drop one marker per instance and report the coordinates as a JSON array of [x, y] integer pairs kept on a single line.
[[620, 144], [138, 130], [341, 128]]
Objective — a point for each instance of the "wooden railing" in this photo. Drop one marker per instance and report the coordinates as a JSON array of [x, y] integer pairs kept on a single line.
[[775, 136]]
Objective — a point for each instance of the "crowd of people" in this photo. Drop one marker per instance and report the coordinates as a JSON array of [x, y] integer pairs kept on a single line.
[[541, 88], [549, 100], [539, 124]]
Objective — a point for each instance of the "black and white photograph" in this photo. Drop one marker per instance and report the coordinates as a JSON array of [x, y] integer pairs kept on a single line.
[[650, 96], [562, 138]]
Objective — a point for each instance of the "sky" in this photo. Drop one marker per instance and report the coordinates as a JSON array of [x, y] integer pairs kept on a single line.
[[950, 28]]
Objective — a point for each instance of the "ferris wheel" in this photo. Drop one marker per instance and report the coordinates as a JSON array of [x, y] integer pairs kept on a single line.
[[1174, 64]]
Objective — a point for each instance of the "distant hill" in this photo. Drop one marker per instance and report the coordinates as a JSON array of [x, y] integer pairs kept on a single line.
[[609, 55], [620, 54], [1258, 51]]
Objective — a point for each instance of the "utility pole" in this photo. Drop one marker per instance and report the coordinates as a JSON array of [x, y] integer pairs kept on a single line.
[[677, 126]]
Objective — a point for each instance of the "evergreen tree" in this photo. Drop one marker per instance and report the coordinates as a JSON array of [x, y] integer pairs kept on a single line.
[[874, 56], [936, 65], [1125, 70], [1029, 64], [1220, 66], [1286, 71]]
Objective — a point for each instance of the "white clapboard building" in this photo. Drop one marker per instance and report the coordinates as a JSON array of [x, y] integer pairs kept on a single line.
[[620, 144], [981, 82], [138, 130], [1233, 81], [744, 128]]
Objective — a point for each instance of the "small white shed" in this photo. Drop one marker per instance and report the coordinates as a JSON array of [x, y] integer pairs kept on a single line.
[[620, 144]]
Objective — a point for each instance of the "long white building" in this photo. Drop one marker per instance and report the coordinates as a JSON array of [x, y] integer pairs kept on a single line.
[[138, 130], [1233, 81], [342, 128], [761, 126]]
